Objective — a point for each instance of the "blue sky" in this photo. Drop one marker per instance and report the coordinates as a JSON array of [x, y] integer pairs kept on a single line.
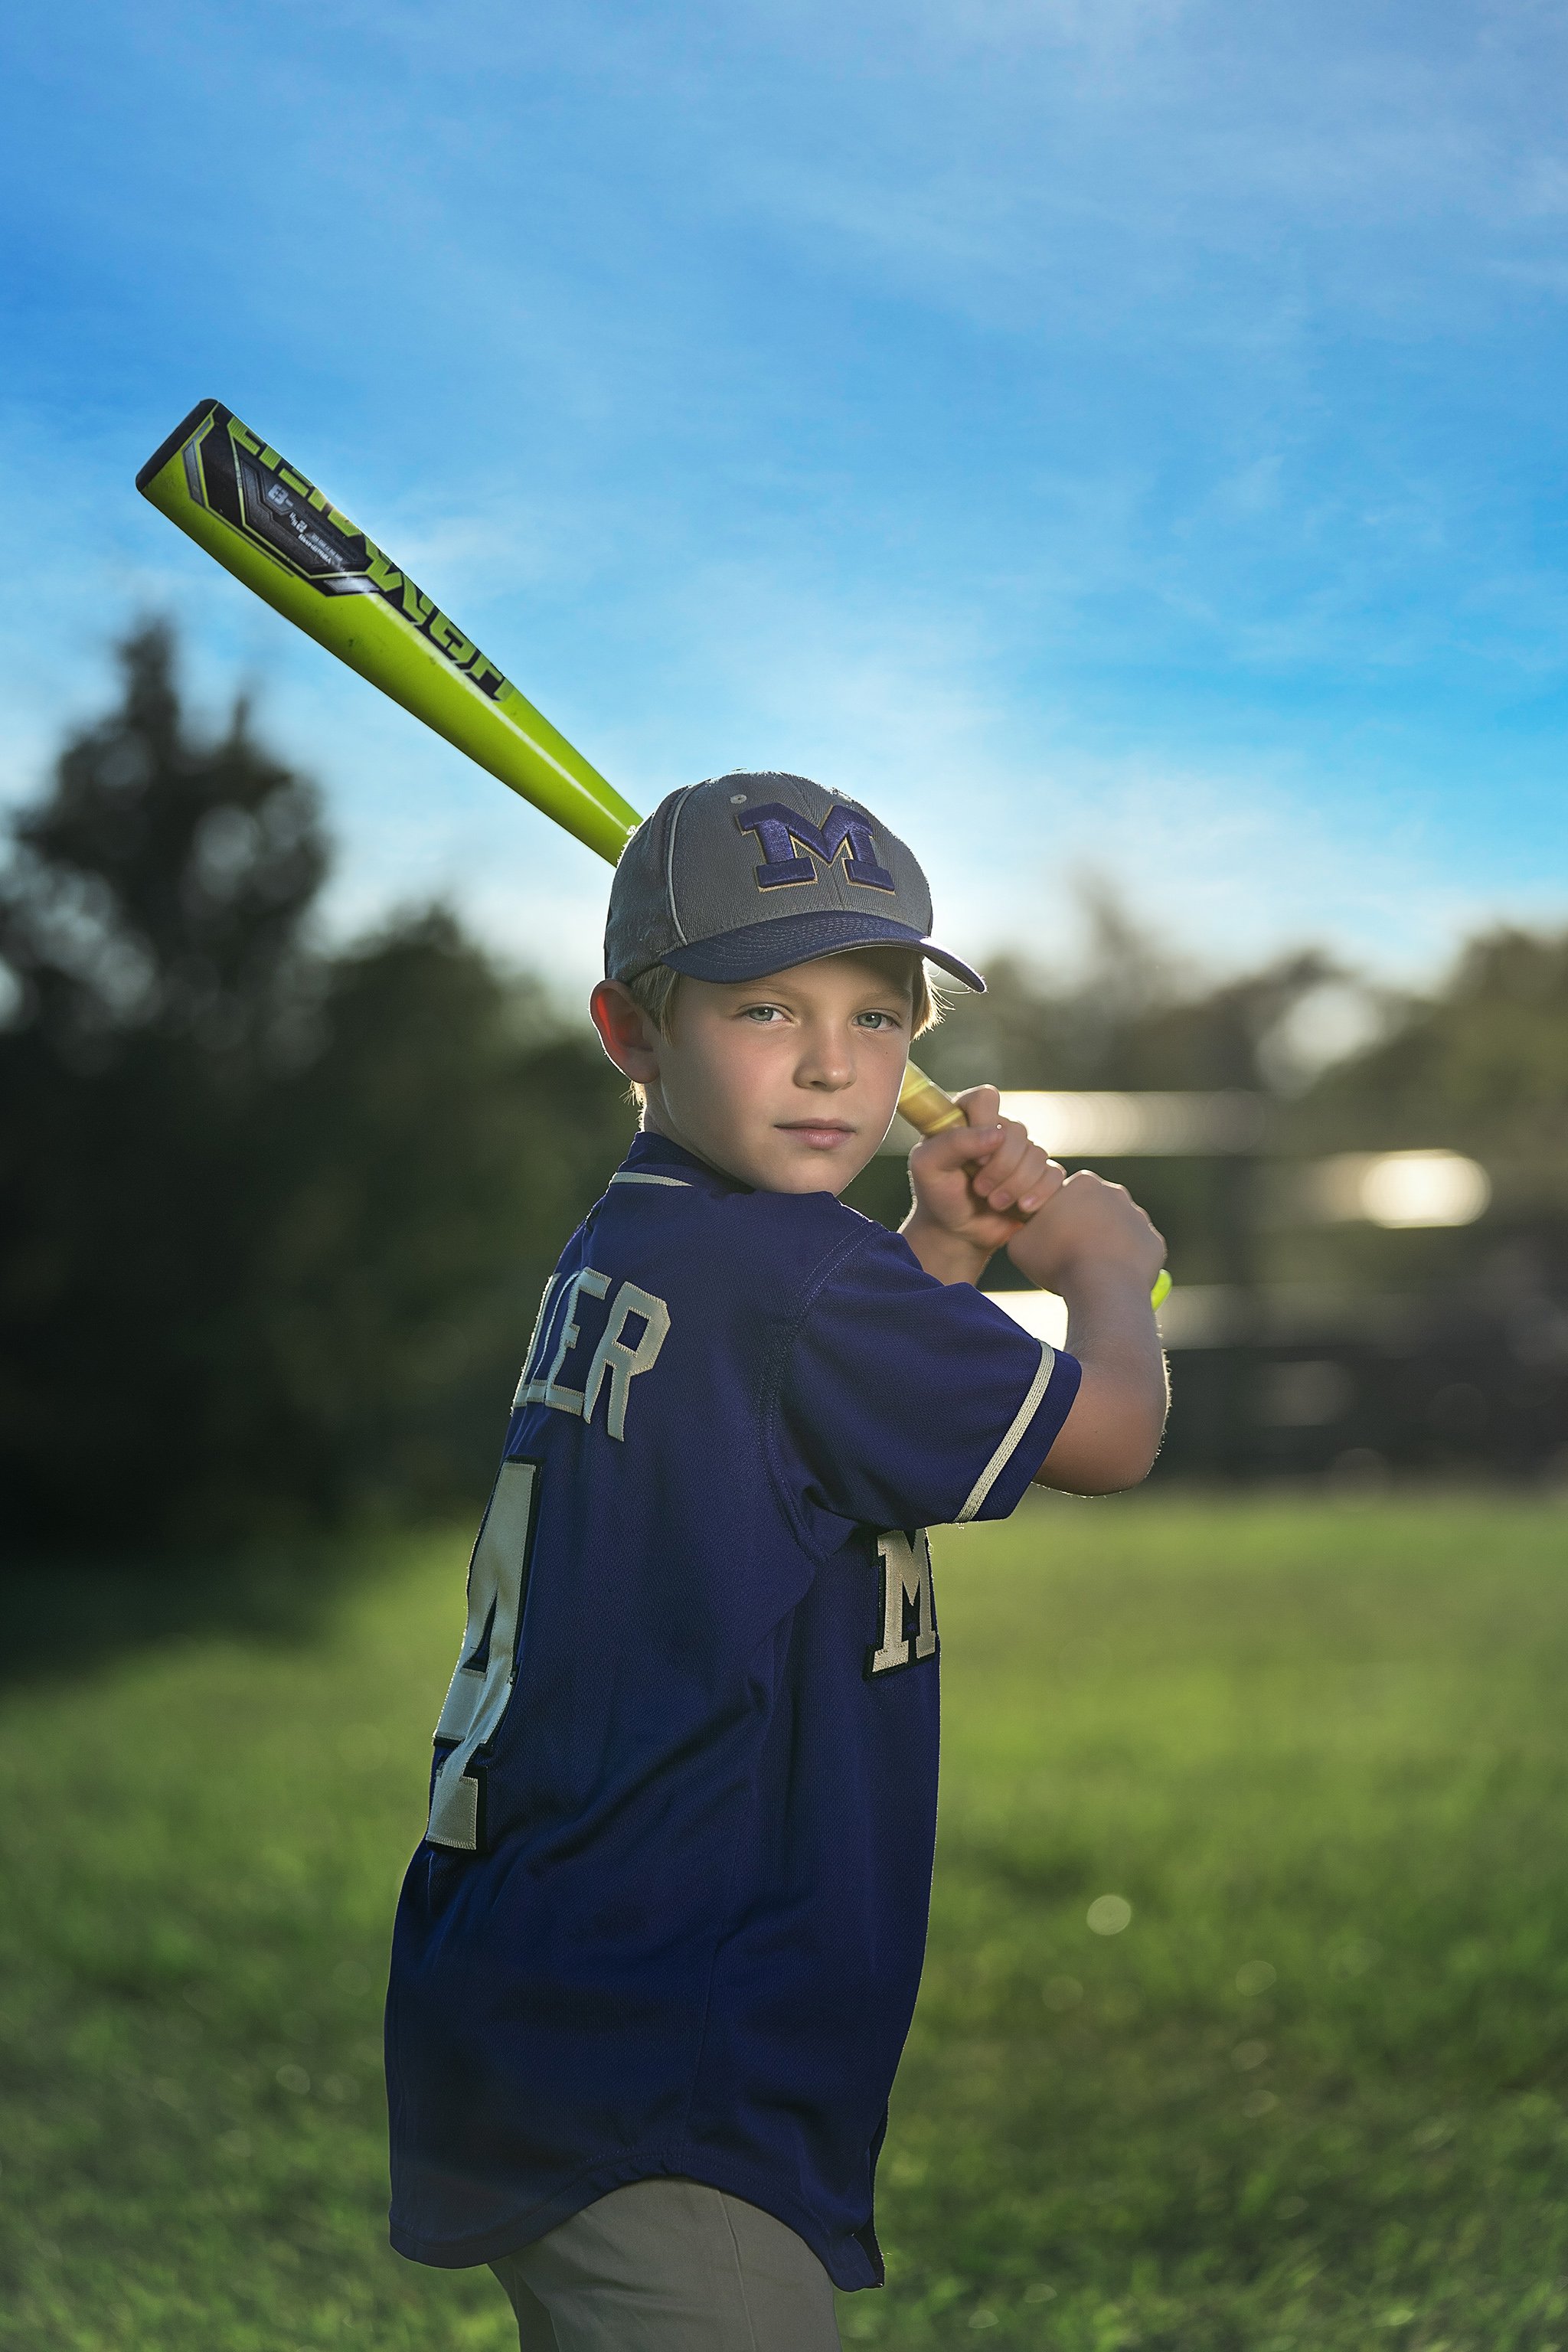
[[1116, 432]]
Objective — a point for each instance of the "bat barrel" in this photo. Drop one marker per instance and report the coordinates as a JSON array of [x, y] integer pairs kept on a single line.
[[267, 523]]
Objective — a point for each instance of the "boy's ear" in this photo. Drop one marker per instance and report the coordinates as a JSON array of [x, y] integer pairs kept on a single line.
[[625, 1031]]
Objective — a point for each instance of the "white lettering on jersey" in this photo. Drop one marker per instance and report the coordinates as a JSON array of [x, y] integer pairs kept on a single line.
[[481, 1685], [527, 1390], [530, 1389], [612, 1359], [555, 1392], [906, 1593], [622, 1363]]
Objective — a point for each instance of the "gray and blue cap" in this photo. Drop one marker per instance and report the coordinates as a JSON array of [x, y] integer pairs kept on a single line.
[[751, 873]]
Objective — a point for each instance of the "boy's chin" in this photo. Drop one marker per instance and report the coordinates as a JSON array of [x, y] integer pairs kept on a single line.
[[800, 1168]]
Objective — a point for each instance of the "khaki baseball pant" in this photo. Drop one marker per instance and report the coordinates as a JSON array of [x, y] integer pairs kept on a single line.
[[670, 2266]]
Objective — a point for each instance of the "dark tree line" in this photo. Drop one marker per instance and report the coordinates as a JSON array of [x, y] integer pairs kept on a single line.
[[273, 1219]]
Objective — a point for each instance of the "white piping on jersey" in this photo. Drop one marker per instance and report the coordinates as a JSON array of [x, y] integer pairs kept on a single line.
[[1025, 1415], [631, 1176]]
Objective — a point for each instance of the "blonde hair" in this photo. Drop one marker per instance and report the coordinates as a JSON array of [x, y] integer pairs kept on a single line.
[[654, 992]]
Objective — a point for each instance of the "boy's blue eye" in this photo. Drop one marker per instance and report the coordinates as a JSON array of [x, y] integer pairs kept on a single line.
[[880, 1020]]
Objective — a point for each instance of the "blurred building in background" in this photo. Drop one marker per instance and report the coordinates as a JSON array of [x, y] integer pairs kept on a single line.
[[1369, 1252], [1329, 1372]]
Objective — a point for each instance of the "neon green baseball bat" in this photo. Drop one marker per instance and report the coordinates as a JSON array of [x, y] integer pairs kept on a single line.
[[234, 495], [263, 520]]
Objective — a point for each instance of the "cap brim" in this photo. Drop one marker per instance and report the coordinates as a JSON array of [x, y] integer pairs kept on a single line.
[[757, 948]]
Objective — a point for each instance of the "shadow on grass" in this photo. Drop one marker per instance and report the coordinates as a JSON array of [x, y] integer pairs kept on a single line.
[[62, 1616]]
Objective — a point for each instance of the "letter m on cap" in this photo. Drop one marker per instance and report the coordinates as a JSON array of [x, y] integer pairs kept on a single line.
[[794, 849]]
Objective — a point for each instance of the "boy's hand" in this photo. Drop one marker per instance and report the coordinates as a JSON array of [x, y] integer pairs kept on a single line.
[[986, 1187], [1088, 1223], [975, 1187]]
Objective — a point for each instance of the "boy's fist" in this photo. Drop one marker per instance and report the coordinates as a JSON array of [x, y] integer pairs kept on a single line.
[[975, 1185], [1087, 1222]]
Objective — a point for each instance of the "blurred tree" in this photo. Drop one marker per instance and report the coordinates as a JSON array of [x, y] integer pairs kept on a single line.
[[268, 1218], [433, 1156], [1128, 1016], [1481, 1063], [149, 923], [158, 891]]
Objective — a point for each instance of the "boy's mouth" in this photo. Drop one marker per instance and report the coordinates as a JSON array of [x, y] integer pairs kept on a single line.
[[821, 1134]]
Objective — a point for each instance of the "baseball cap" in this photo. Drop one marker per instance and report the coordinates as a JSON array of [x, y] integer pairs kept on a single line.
[[750, 873]]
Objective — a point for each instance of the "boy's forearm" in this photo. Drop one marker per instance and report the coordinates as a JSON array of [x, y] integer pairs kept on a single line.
[[1112, 1434]]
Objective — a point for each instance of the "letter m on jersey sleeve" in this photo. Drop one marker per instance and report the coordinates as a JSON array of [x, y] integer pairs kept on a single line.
[[907, 1604]]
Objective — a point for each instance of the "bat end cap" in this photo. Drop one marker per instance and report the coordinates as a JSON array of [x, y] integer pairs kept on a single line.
[[177, 440]]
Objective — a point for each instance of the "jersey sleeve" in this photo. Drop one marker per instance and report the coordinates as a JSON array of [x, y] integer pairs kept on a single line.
[[913, 1403]]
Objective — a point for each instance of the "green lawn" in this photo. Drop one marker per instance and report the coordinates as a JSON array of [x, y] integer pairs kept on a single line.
[[1311, 2095]]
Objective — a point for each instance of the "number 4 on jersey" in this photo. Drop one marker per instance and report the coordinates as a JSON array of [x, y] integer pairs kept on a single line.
[[482, 1685]]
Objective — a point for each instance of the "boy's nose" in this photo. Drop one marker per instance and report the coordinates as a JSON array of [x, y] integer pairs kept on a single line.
[[825, 1064]]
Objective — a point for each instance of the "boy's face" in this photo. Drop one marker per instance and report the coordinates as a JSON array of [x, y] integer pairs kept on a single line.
[[788, 1083]]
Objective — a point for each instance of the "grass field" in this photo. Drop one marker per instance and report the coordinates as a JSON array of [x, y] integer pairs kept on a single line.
[[1310, 2095]]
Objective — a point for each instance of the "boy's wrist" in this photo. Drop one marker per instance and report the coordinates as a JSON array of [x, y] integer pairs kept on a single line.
[[1087, 1278], [944, 1253]]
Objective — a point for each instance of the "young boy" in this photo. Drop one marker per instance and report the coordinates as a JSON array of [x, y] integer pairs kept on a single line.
[[656, 1959]]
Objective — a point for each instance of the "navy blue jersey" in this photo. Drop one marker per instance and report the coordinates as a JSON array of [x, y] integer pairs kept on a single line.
[[669, 1915]]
